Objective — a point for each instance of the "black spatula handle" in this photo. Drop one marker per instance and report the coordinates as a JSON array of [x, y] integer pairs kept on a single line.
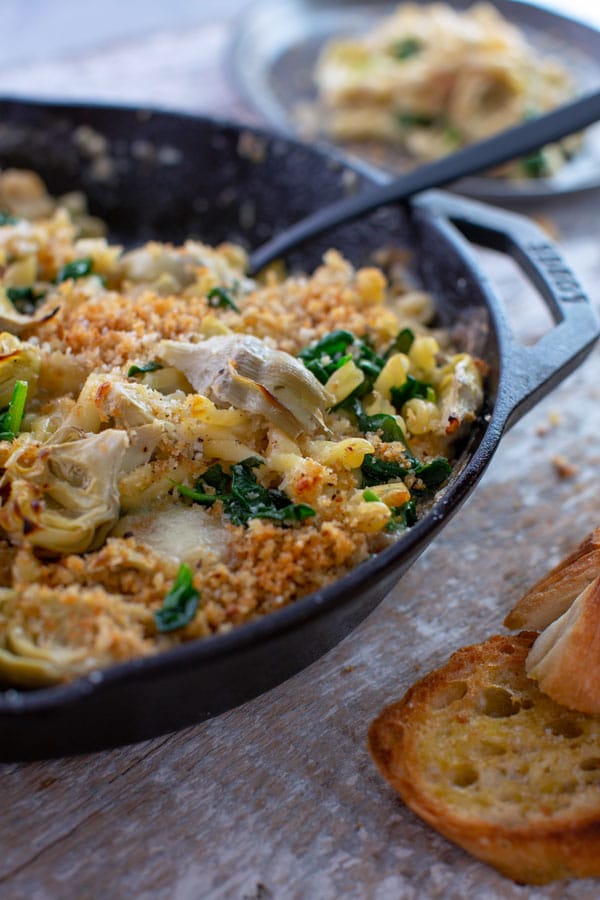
[[476, 158]]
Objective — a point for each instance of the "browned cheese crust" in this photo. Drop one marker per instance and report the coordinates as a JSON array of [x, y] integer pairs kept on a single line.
[[478, 752]]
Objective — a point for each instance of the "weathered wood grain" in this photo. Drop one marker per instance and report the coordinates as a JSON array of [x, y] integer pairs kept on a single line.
[[279, 799]]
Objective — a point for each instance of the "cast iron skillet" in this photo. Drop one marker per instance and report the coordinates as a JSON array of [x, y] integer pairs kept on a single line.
[[168, 176]]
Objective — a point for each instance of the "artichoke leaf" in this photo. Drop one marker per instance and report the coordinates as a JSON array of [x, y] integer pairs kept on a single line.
[[84, 417], [193, 264], [106, 397], [127, 403], [16, 322], [244, 393], [49, 635], [147, 264], [242, 371], [30, 670], [142, 444], [27, 671], [19, 361], [64, 497]]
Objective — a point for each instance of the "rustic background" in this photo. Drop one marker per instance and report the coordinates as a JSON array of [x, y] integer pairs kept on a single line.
[[279, 799]]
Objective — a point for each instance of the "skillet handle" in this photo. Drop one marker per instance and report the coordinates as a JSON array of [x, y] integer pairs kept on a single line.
[[530, 371]]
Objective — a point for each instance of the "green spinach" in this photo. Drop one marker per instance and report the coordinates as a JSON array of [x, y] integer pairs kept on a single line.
[[24, 299], [219, 297], [381, 423], [403, 517], [535, 165], [380, 471], [434, 473], [401, 343], [243, 497], [78, 268], [11, 418], [414, 120], [141, 370], [180, 604], [412, 387], [328, 354], [406, 48]]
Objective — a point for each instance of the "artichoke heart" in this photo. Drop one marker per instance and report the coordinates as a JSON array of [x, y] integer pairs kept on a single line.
[[130, 405], [19, 361], [64, 497], [16, 322], [106, 397], [142, 444], [50, 634], [155, 261], [240, 370]]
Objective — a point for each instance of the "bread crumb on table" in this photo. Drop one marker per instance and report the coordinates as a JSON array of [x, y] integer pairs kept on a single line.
[[564, 468]]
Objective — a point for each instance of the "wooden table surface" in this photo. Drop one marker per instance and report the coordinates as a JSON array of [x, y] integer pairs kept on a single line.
[[279, 799]]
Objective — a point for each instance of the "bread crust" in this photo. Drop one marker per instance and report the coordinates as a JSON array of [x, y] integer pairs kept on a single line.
[[555, 592], [534, 848]]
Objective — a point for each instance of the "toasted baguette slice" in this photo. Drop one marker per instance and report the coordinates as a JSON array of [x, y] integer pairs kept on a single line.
[[565, 659], [482, 755], [553, 595]]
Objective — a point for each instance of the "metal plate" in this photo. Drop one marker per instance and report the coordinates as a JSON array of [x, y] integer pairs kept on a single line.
[[275, 48]]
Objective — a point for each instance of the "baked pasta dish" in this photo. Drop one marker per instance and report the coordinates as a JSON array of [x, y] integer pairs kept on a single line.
[[183, 448], [430, 79]]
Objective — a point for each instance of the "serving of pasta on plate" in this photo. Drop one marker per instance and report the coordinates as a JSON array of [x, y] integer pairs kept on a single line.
[[429, 79], [184, 449]]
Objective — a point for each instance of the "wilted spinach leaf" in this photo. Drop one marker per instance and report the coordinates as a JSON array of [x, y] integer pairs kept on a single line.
[[412, 387], [380, 471], [180, 604], [381, 423], [78, 268], [220, 297], [401, 343], [11, 418], [434, 473], [243, 497], [402, 517], [145, 367], [24, 299], [406, 48]]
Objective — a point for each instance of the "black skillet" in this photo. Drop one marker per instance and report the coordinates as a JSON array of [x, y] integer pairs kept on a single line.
[[168, 176]]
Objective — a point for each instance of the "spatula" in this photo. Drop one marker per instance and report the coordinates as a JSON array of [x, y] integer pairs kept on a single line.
[[475, 158]]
